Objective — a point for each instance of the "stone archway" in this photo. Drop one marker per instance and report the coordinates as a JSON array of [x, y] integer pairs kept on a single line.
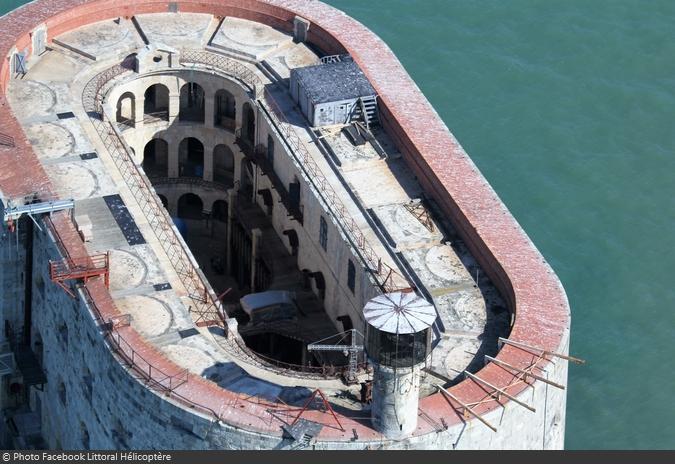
[[192, 106], [126, 110], [225, 110], [190, 206], [156, 104], [191, 158], [156, 158], [223, 165]]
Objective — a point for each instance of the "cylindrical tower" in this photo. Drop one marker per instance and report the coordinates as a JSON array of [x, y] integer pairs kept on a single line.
[[397, 344]]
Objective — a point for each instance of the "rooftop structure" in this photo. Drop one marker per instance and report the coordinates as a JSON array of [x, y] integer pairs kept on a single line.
[[334, 92], [214, 230], [331, 82]]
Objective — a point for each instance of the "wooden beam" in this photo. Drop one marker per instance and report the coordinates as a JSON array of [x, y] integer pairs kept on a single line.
[[489, 385], [530, 374], [436, 374], [525, 347], [467, 408]]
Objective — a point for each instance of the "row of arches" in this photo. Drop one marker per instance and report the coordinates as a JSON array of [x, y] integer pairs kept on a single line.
[[190, 160], [192, 108], [191, 206]]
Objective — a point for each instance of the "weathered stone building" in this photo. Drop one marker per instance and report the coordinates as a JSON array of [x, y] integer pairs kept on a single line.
[[195, 180]]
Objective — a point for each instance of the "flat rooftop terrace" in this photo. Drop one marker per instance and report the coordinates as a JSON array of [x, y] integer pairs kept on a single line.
[[394, 209], [375, 187]]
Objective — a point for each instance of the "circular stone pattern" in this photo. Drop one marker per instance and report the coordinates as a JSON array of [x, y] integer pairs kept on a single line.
[[470, 309], [182, 25], [50, 140], [149, 316], [298, 58], [251, 33], [410, 224], [35, 98], [104, 35], [126, 270], [442, 261], [195, 360], [74, 181]]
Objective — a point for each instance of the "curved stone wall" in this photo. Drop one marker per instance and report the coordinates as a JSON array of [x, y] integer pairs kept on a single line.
[[522, 275]]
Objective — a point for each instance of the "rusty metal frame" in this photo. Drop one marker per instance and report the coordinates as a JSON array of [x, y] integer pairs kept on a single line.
[[326, 404], [421, 213], [83, 268]]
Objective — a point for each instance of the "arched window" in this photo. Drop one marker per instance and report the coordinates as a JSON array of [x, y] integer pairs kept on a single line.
[[156, 106], [126, 110], [248, 125], [191, 158], [191, 103], [225, 110], [351, 276], [320, 283], [246, 188], [223, 165], [190, 206], [219, 210], [270, 150], [156, 158]]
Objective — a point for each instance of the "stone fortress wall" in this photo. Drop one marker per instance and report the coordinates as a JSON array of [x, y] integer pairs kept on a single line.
[[115, 418]]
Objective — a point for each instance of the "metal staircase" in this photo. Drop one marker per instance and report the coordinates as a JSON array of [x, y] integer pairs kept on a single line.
[[366, 111]]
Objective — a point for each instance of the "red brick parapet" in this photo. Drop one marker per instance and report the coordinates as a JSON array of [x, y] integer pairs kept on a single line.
[[502, 248]]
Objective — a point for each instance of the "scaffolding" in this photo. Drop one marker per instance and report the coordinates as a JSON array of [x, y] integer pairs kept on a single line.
[[325, 406], [83, 268], [421, 213]]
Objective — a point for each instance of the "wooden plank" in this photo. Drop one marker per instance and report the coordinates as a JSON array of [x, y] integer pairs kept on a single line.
[[489, 385], [530, 374], [467, 408], [525, 347]]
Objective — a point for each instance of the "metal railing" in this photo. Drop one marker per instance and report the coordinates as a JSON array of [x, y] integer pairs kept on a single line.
[[195, 181], [388, 279], [238, 348], [206, 305], [6, 140], [92, 97], [156, 116], [221, 63], [83, 268], [153, 377]]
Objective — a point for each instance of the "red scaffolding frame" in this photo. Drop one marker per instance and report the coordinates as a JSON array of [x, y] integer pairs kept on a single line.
[[80, 268]]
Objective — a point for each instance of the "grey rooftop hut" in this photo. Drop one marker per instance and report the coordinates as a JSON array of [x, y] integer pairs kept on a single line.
[[334, 93]]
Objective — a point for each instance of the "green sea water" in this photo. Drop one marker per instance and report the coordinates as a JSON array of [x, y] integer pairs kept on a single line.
[[568, 110]]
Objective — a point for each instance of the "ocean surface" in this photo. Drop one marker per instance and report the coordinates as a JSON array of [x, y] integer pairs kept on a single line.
[[568, 109]]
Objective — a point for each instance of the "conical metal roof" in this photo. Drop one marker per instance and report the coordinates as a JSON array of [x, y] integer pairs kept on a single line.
[[399, 313]]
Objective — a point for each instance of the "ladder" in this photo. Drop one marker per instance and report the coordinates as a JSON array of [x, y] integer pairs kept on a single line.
[[367, 111]]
